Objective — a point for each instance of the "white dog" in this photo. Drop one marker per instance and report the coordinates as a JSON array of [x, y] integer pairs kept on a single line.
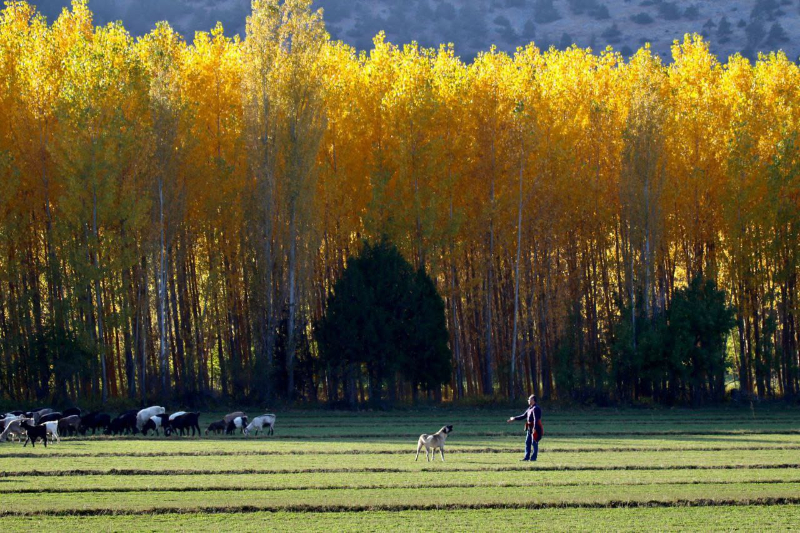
[[432, 442]]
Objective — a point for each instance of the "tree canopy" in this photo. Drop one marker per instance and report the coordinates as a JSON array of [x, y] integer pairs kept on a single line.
[[179, 213]]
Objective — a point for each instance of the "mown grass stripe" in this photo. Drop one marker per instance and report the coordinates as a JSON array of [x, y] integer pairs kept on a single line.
[[453, 450], [426, 485], [543, 468], [564, 423], [356, 435], [305, 508], [586, 433]]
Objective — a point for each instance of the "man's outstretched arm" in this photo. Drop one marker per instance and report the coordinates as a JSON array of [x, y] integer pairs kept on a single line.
[[520, 417]]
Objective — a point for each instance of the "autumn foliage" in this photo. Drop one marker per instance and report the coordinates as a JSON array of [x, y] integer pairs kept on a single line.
[[174, 215]]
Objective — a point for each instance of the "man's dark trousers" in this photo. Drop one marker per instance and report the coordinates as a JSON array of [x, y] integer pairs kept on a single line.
[[530, 443]]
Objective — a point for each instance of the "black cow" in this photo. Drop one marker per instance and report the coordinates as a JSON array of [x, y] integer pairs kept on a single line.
[[185, 422], [51, 417], [217, 427], [71, 411], [94, 421], [34, 432], [124, 423]]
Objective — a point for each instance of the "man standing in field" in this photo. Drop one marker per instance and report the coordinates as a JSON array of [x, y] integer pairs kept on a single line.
[[533, 427]]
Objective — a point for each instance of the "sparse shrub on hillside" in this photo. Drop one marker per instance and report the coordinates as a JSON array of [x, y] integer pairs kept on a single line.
[[642, 18], [707, 28], [502, 21], [692, 12], [472, 27], [600, 13], [741, 24], [504, 29], [566, 41], [626, 51], [593, 8], [515, 3], [508, 34], [669, 10], [544, 11], [754, 33], [764, 10], [529, 30], [612, 35], [777, 36], [724, 30], [579, 7]]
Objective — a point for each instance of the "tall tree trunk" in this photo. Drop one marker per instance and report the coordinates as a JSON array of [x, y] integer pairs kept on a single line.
[[162, 294], [98, 297], [290, 336], [126, 298], [513, 384]]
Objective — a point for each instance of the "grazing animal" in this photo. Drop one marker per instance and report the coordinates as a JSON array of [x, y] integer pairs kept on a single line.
[[69, 425], [151, 425], [157, 422], [36, 414], [144, 415], [258, 424], [124, 423], [94, 421], [240, 422], [7, 420], [51, 417], [71, 411], [176, 414], [34, 433], [230, 416], [13, 429], [216, 427], [432, 442], [52, 430], [186, 421]]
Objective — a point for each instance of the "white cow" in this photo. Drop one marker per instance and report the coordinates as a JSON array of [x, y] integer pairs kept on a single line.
[[240, 422], [13, 429], [144, 415], [156, 420], [52, 430], [258, 424], [10, 418]]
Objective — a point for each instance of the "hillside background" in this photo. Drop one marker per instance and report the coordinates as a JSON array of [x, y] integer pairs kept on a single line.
[[745, 26]]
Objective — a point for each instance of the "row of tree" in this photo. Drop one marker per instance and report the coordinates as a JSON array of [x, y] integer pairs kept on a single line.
[[173, 216]]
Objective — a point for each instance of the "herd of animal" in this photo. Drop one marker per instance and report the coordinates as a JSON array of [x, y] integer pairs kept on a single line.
[[47, 424]]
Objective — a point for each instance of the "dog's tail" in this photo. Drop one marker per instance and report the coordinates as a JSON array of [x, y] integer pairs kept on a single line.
[[420, 444]]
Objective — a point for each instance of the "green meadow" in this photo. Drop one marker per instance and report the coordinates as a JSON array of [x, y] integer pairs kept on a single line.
[[710, 469]]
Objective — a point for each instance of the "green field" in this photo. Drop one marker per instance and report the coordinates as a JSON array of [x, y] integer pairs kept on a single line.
[[709, 469]]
